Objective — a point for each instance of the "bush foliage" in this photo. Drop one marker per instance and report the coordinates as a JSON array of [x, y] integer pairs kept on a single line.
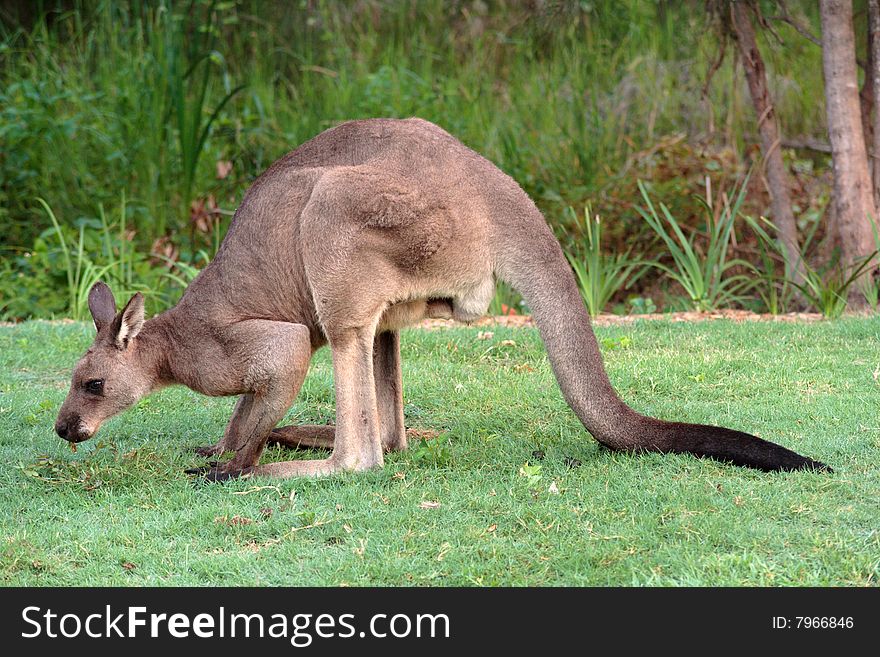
[[176, 107]]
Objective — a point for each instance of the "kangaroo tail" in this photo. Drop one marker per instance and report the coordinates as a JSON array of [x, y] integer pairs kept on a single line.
[[531, 261]]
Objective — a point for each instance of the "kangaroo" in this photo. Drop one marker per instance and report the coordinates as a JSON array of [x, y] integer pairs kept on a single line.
[[367, 228]]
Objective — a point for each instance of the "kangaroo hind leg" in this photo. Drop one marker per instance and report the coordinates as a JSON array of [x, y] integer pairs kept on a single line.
[[357, 443], [389, 391], [389, 404]]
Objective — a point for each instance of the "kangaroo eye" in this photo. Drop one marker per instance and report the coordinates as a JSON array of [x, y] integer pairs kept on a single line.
[[95, 386]]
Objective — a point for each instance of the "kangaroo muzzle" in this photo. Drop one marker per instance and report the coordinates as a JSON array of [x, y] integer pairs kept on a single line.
[[72, 429]]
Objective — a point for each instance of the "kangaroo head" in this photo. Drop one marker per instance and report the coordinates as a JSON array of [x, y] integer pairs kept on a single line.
[[108, 378]]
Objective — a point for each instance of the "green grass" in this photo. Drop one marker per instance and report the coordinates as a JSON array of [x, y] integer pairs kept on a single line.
[[121, 511]]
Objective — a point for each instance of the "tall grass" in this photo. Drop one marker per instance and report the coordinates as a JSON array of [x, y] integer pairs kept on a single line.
[[110, 256], [827, 288], [869, 285], [81, 271], [703, 273], [599, 275]]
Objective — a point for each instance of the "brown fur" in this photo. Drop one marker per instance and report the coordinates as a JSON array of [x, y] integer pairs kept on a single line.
[[368, 227]]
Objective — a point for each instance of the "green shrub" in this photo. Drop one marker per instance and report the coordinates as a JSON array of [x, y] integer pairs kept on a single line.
[[600, 276], [826, 288], [69, 262], [702, 273]]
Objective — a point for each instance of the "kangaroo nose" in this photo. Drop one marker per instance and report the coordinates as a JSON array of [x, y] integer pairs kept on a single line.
[[61, 429]]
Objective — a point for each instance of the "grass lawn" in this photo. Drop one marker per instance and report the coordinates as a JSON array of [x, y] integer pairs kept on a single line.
[[121, 512]]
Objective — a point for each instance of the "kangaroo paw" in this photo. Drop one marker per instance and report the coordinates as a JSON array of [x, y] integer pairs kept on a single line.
[[202, 469]]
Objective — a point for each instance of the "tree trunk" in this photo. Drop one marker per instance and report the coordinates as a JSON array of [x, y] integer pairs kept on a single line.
[[873, 73], [777, 176], [853, 193], [866, 102]]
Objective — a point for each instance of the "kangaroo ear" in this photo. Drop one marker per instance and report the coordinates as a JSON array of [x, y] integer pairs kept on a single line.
[[129, 321], [102, 305]]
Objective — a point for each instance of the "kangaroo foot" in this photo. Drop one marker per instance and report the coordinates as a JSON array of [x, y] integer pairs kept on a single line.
[[281, 470], [311, 436], [306, 436], [311, 468]]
